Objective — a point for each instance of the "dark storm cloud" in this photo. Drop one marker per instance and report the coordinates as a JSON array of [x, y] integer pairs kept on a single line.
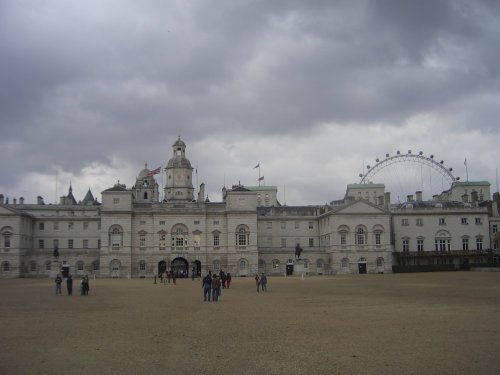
[[83, 82]]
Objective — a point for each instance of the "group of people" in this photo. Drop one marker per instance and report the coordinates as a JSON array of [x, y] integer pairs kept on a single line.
[[83, 289], [261, 282], [167, 277], [213, 283]]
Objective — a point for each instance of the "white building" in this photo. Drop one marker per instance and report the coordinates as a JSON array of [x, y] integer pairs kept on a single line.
[[132, 234]]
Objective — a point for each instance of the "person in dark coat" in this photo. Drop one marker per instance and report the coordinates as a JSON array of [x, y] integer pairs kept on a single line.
[[58, 282], [69, 285]]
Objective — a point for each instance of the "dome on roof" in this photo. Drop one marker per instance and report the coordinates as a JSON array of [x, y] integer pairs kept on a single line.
[[144, 173], [179, 162], [179, 143]]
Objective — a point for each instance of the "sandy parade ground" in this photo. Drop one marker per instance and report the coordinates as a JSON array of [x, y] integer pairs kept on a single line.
[[423, 323]]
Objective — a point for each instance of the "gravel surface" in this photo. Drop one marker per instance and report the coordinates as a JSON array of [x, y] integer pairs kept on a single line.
[[426, 323]]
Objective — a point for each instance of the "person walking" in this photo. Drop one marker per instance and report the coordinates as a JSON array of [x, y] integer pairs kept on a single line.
[[58, 280], [216, 283], [263, 282], [228, 280], [257, 281], [69, 285], [207, 287]]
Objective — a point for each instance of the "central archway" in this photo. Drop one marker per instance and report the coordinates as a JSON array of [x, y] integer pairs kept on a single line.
[[162, 267], [180, 266]]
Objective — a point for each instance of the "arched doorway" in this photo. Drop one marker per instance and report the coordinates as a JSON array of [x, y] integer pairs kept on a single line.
[[196, 268], [180, 266], [162, 267]]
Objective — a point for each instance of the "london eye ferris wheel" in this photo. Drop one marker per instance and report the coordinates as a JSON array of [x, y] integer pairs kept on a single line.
[[405, 173]]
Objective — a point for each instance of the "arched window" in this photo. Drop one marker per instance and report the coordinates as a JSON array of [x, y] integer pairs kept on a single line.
[[262, 265], [95, 266], [360, 236], [48, 266], [319, 263], [116, 237], [32, 266], [380, 262], [242, 235], [162, 240], [243, 264], [179, 236]]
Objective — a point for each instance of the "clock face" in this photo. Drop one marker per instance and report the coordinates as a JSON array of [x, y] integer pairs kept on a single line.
[[178, 176]]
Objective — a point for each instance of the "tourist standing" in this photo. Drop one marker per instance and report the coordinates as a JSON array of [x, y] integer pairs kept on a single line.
[[69, 285], [216, 283], [207, 287], [228, 280], [58, 282], [174, 277], [263, 282], [257, 281]]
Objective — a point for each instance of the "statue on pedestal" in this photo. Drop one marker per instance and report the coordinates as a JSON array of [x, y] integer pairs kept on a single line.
[[298, 251]]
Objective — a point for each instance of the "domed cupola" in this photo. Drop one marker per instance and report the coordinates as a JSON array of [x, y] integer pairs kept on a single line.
[[179, 173], [146, 188]]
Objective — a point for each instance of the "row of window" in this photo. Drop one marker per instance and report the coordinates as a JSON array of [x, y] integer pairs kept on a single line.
[[70, 243], [33, 266], [283, 224], [442, 245], [70, 225], [441, 221]]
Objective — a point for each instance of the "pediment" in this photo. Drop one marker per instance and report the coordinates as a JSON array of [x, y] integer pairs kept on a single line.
[[6, 211], [361, 206]]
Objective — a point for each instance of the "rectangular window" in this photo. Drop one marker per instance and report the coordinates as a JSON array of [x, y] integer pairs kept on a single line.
[[343, 239], [404, 222], [142, 266], [216, 222], [98, 244], [41, 226], [311, 242], [420, 222], [465, 244], [442, 221], [196, 222], [85, 244], [41, 244], [311, 225], [142, 222], [463, 221], [85, 225], [162, 222], [142, 241], [494, 228], [55, 244], [163, 240], [56, 225], [71, 225], [406, 246], [283, 242], [216, 240], [420, 245], [378, 239], [70, 244], [116, 200], [478, 220]]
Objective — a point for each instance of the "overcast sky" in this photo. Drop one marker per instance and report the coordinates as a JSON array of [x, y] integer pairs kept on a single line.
[[314, 91]]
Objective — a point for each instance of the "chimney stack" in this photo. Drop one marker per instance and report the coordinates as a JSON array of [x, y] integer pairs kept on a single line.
[[474, 197], [418, 196], [21, 200], [387, 200], [15, 201], [39, 200], [1, 198], [409, 198]]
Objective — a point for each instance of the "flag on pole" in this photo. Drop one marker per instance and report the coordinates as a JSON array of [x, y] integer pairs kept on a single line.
[[261, 178], [154, 171], [257, 166], [465, 162]]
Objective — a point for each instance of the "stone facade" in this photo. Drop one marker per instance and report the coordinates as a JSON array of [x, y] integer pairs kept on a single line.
[[132, 234]]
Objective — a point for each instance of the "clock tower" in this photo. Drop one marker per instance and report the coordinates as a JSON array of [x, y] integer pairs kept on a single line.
[[179, 174]]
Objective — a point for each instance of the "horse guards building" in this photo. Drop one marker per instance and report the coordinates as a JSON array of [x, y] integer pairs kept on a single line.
[[131, 233]]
